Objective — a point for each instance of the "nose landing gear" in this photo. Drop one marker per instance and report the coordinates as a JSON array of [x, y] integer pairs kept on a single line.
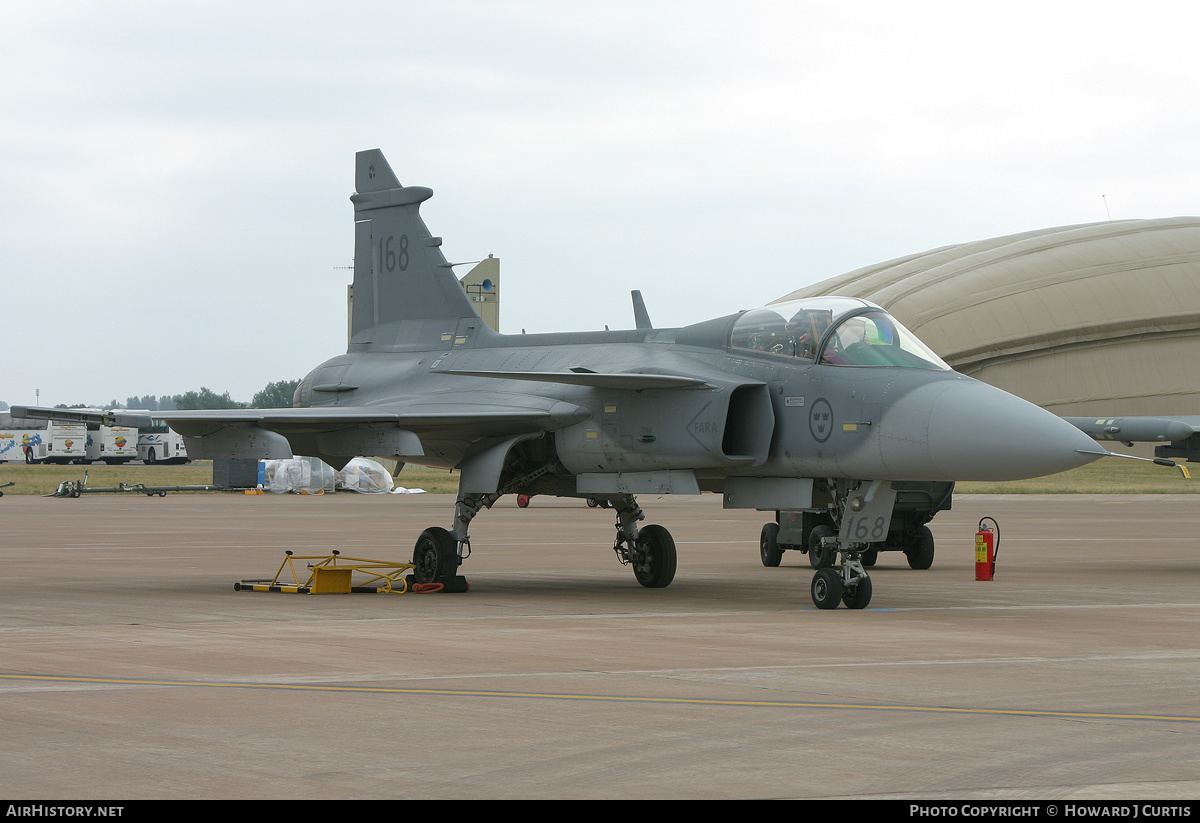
[[862, 511], [848, 583]]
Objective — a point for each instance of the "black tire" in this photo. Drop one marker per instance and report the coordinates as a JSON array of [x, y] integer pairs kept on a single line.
[[151, 457], [29, 461], [435, 556], [162, 493], [821, 557], [869, 558], [857, 597], [656, 569], [593, 503], [768, 545], [75, 492], [920, 553], [826, 588]]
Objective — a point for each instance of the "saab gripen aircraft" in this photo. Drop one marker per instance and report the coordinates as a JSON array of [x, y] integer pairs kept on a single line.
[[826, 406]]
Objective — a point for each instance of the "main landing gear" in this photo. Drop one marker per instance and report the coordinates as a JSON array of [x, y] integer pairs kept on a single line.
[[650, 550], [440, 552], [435, 556]]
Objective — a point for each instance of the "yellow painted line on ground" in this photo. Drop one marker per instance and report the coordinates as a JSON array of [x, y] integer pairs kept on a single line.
[[603, 698]]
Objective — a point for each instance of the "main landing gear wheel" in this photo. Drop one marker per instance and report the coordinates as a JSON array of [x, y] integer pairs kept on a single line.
[[827, 588], [655, 566], [435, 556], [859, 595], [819, 556], [920, 553], [768, 545]]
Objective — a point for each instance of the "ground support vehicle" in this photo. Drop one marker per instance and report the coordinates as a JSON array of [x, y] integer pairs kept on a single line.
[[158, 444], [112, 444]]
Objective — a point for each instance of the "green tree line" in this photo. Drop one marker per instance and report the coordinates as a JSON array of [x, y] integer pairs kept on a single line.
[[272, 396]]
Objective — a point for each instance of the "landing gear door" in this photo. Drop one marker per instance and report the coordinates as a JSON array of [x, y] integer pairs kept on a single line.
[[868, 513]]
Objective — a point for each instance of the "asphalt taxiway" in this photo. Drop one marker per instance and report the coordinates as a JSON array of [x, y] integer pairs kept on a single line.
[[130, 668]]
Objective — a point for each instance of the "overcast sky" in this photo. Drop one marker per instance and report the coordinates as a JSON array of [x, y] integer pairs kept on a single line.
[[174, 177]]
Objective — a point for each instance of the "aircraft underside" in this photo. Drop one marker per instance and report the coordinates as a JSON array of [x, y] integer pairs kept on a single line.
[[842, 525]]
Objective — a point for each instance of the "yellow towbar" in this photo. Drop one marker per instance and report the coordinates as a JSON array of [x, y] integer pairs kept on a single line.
[[334, 574]]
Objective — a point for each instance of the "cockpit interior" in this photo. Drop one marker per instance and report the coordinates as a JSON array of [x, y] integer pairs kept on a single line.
[[833, 331]]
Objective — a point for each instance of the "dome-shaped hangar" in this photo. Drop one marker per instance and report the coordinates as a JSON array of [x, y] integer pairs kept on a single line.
[[1102, 318]]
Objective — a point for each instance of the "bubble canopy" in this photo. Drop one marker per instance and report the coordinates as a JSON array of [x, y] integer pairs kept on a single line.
[[833, 331]]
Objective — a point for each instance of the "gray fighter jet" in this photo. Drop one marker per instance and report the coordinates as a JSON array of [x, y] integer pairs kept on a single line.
[[823, 405]]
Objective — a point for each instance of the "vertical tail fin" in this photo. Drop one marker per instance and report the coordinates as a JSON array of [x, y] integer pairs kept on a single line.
[[641, 317], [405, 292]]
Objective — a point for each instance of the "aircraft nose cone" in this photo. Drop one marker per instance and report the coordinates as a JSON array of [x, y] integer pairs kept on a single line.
[[978, 432]]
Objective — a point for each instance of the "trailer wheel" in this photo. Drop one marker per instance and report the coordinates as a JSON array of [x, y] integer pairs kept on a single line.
[[920, 552], [768, 545], [819, 556]]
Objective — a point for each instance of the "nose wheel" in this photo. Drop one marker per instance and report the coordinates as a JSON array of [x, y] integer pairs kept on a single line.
[[847, 583], [830, 586], [858, 595], [826, 588]]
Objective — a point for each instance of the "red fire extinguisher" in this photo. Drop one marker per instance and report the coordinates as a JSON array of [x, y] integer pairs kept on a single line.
[[987, 548]]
